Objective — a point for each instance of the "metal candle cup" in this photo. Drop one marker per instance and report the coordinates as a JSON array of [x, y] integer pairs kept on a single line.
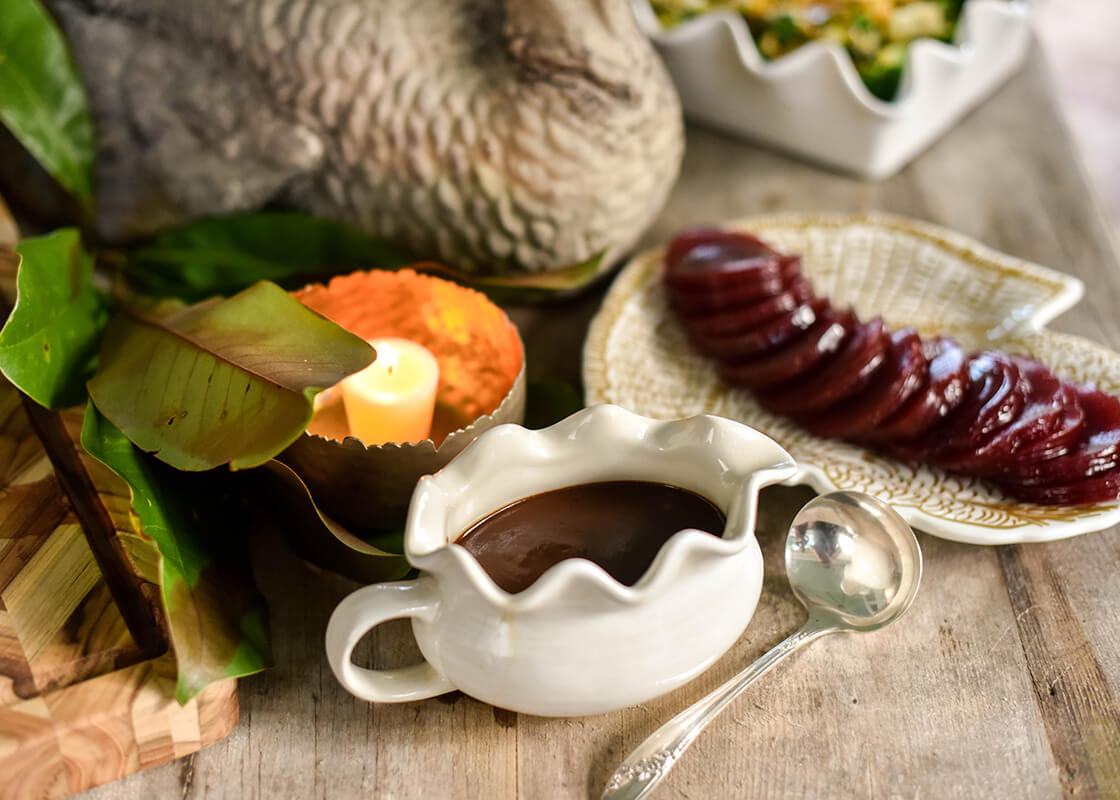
[[366, 488]]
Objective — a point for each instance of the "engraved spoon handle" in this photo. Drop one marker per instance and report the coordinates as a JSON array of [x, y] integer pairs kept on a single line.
[[652, 759]]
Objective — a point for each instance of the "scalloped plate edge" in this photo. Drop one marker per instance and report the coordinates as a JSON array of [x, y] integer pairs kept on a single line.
[[971, 533]]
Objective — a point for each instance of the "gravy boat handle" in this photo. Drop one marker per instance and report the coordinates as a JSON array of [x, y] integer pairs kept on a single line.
[[361, 612]]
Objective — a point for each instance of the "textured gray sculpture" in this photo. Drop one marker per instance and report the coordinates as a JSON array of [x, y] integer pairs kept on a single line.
[[495, 135]]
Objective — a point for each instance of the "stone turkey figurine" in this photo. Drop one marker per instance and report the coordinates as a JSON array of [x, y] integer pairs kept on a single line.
[[494, 135]]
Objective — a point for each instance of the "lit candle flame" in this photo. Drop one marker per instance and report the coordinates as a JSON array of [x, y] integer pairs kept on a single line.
[[387, 356]]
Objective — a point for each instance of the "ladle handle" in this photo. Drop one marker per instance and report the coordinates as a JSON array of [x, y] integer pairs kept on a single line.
[[652, 759]]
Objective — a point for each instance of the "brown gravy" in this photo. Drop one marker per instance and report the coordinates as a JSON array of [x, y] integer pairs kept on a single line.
[[620, 525]]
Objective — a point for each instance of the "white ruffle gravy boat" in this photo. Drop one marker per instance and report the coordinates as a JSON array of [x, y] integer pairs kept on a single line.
[[576, 641]]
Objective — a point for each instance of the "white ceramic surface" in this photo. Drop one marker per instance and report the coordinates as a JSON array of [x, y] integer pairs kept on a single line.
[[911, 273], [812, 103], [575, 642]]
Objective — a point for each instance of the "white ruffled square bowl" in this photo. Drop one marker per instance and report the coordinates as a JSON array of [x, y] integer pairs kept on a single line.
[[812, 102]]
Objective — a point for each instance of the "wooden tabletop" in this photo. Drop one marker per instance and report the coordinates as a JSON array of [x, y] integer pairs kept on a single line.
[[1003, 680]]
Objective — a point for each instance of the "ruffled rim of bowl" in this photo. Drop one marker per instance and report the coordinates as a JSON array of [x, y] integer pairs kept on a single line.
[[584, 577], [830, 54]]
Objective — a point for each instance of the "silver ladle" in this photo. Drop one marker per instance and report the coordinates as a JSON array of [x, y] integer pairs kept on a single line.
[[853, 562]]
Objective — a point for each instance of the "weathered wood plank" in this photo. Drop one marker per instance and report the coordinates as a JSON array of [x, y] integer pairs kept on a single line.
[[906, 712], [951, 702], [1078, 703]]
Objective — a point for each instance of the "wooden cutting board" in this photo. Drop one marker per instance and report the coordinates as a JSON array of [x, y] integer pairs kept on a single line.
[[86, 678]]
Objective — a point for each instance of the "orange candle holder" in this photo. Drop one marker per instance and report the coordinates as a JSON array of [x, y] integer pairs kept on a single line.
[[366, 488]]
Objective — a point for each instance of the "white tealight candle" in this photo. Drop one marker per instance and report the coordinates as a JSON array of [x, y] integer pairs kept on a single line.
[[392, 399]]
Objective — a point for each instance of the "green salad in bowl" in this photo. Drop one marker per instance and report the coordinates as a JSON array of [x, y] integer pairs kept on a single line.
[[877, 33]]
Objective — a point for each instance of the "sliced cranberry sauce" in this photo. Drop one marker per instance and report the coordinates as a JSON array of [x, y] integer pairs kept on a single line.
[[1005, 418]]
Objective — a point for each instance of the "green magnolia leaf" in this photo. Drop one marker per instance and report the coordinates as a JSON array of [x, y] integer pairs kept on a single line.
[[523, 287], [226, 254], [49, 344], [547, 402], [42, 101], [225, 381], [217, 619]]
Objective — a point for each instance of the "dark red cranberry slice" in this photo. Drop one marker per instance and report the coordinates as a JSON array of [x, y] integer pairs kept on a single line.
[[1099, 453], [846, 373], [941, 393], [993, 399], [1066, 434], [707, 249], [758, 275], [1040, 417], [820, 341], [901, 376], [1102, 488], [766, 337], [1102, 411], [1030, 461], [725, 294], [996, 398], [1098, 450], [701, 259], [739, 320]]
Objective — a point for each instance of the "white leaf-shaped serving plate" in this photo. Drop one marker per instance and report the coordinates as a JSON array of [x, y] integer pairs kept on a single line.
[[812, 102], [912, 274]]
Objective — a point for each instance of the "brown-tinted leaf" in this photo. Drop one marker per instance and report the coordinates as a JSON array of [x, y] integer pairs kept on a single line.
[[320, 539], [224, 381], [9, 233]]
